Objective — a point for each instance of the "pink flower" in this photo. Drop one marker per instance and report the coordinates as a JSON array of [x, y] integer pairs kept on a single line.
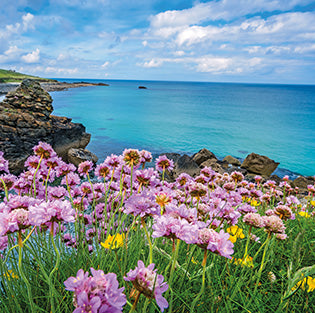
[[149, 283]]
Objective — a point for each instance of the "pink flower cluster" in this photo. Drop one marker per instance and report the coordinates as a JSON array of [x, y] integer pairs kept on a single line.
[[99, 293]]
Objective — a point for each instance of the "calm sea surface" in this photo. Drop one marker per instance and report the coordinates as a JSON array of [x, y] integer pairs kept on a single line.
[[274, 120]]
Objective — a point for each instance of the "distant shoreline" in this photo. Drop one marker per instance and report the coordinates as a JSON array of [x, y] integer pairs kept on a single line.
[[49, 86]]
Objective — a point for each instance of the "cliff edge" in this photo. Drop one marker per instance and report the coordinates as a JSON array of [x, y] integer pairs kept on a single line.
[[25, 119]]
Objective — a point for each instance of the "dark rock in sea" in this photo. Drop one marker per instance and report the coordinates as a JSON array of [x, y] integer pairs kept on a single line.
[[142, 87], [185, 164], [25, 119], [231, 160], [77, 156], [259, 164], [302, 182], [203, 155], [213, 163]]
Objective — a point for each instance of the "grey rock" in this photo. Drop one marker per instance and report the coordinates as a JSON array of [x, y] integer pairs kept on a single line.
[[185, 164]]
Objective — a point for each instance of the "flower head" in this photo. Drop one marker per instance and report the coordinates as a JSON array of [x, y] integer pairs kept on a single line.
[[131, 157], [44, 150], [162, 163], [98, 293], [149, 283]]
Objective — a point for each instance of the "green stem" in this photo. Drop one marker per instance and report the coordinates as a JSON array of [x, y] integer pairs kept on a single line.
[[204, 263], [34, 178], [262, 263], [247, 242], [28, 286], [175, 256], [51, 288], [46, 183], [131, 178], [5, 189], [149, 240]]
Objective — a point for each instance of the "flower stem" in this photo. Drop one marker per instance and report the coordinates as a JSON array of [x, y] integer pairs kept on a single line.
[[28, 286], [262, 263], [149, 240], [204, 263], [5, 189], [170, 280], [135, 303], [54, 269]]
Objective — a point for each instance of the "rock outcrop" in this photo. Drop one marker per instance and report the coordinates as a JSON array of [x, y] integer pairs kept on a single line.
[[25, 119], [77, 156], [259, 164]]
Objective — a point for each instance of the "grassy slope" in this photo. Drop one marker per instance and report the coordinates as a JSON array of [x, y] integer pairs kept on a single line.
[[10, 76]]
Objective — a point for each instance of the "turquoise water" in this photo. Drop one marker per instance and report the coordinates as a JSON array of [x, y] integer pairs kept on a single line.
[[274, 120]]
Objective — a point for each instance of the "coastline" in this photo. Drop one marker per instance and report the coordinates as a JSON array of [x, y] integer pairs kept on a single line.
[[48, 86], [60, 86]]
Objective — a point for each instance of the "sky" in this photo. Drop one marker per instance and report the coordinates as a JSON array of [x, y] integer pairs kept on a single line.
[[255, 41]]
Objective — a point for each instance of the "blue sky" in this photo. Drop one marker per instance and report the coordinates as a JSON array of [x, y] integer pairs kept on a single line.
[[264, 41]]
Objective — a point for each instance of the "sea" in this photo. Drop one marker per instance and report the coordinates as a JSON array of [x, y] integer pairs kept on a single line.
[[235, 119]]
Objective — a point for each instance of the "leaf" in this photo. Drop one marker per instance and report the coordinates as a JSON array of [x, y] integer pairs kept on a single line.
[[298, 276]]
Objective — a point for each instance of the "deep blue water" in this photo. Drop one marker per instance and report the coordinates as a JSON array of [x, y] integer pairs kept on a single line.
[[274, 120]]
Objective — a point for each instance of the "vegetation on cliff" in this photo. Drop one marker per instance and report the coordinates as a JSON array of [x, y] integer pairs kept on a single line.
[[11, 76]]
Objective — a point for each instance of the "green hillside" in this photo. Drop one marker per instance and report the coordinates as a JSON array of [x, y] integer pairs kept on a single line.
[[7, 76]]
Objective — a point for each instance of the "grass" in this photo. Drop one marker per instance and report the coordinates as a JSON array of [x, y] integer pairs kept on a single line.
[[270, 280], [9, 76]]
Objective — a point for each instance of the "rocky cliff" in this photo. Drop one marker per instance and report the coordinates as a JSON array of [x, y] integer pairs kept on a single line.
[[25, 119]]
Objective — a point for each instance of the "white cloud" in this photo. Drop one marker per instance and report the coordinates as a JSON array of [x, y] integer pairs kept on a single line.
[[153, 63], [282, 27], [27, 21], [12, 51], [105, 65], [32, 57], [305, 48], [56, 70]]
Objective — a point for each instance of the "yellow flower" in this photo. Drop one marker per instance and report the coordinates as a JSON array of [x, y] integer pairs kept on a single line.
[[254, 202], [309, 281], [194, 261], [248, 261], [235, 232], [10, 274], [114, 242], [313, 202], [304, 214]]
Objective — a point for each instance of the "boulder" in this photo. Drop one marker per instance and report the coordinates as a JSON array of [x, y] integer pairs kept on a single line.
[[302, 182], [185, 164], [77, 156], [231, 160], [212, 163], [203, 155], [259, 164], [25, 119], [142, 87]]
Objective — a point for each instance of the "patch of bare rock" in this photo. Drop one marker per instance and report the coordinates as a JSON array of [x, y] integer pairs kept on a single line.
[[26, 119]]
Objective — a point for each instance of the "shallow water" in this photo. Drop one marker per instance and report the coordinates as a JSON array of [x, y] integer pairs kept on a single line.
[[237, 119]]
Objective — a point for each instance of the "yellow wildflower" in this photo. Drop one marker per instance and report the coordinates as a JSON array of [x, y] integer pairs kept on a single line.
[[10, 274], [309, 281], [114, 242], [304, 214], [235, 232], [254, 202], [313, 202], [247, 261], [194, 261]]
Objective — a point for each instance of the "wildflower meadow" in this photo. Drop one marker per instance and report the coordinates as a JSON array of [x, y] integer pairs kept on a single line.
[[119, 237]]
